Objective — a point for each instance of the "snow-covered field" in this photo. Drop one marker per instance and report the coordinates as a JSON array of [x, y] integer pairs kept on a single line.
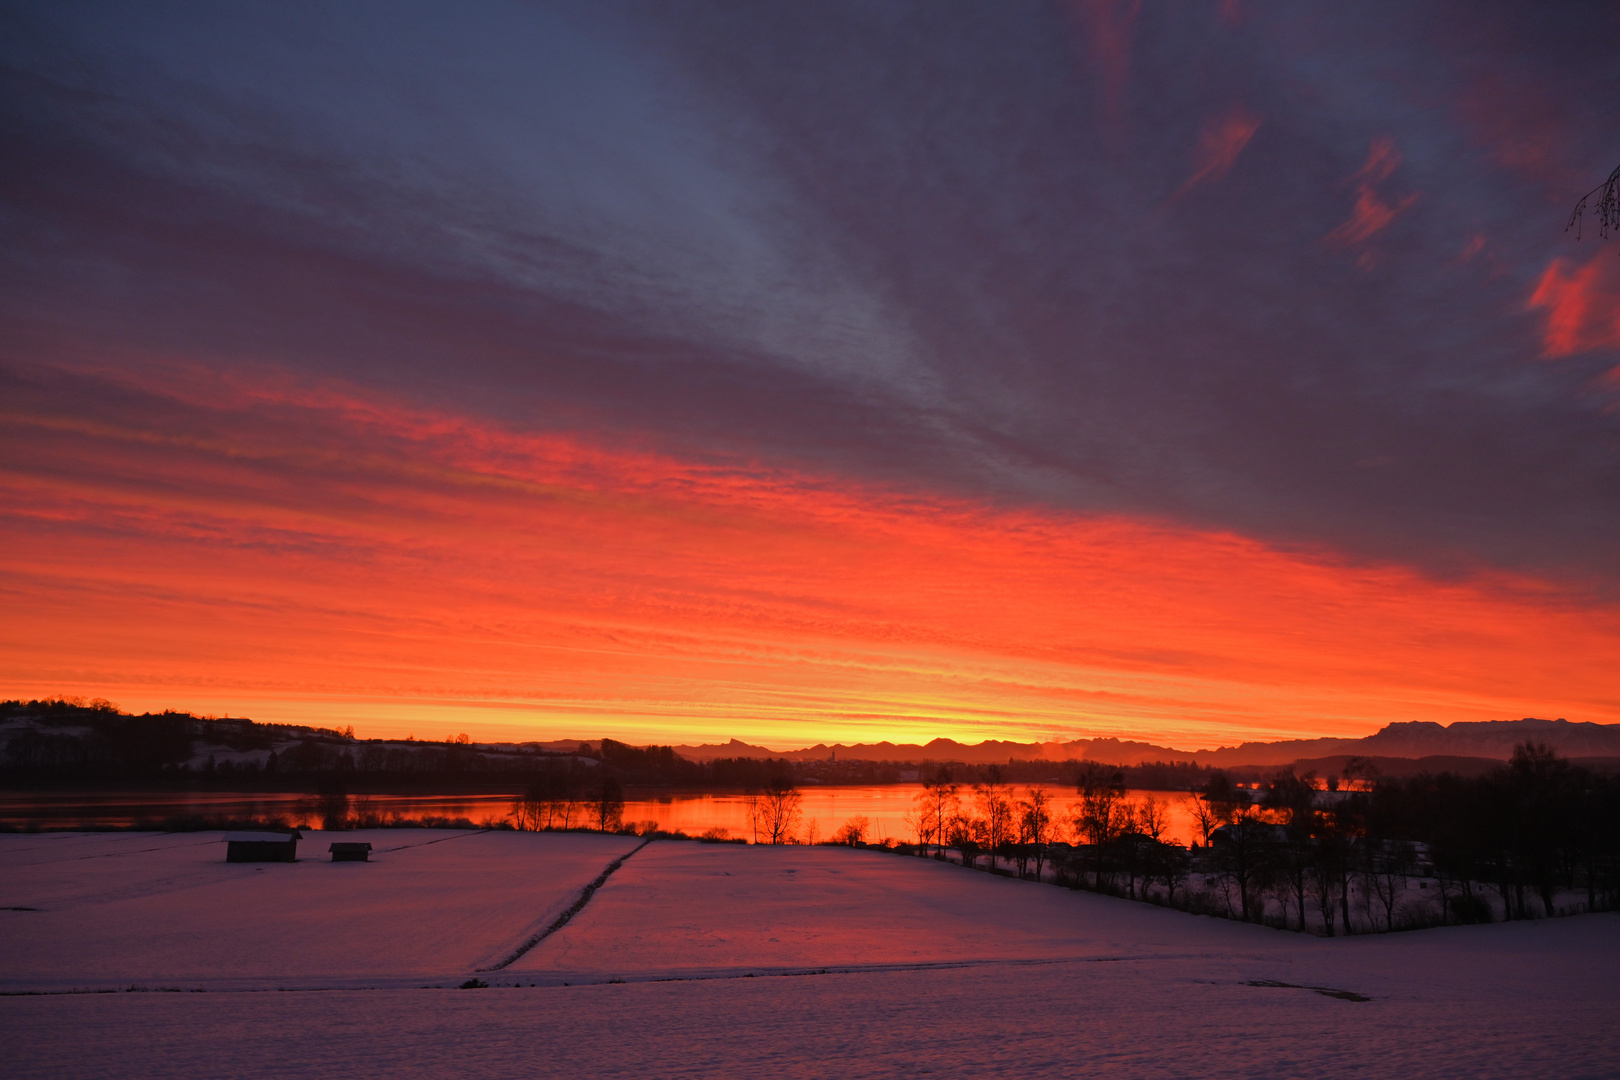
[[122, 909], [722, 960]]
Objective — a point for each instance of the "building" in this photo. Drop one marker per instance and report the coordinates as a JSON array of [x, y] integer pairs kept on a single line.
[[262, 846], [350, 851]]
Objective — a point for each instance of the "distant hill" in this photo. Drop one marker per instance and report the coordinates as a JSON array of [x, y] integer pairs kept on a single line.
[[1488, 739]]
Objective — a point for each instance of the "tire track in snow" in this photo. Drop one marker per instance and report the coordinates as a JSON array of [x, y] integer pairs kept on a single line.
[[439, 840], [575, 908]]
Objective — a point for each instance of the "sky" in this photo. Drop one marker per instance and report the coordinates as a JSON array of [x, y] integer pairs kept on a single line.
[[1189, 372]]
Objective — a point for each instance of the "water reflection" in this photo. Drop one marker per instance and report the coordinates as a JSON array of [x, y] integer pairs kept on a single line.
[[82, 810], [824, 809]]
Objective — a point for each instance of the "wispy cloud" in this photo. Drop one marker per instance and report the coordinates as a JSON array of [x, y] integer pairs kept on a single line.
[[1372, 214], [1108, 26], [1582, 305], [1219, 144]]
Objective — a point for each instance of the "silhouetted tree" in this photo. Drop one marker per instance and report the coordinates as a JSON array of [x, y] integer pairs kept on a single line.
[[853, 831], [1540, 786], [965, 832], [1293, 799], [779, 810], [995, 810], [334, 803], [1034, 812], [1604, 202], [937, 805], [607, 804], [1099, 816]]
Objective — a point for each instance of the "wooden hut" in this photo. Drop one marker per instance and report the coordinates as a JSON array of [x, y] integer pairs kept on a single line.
[[350, 851], [262, 846]]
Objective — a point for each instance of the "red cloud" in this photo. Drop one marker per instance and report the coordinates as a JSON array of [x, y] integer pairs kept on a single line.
[[1108, 25], [1219, 144], [1583, 306], [1382, 161], [1371, 214]]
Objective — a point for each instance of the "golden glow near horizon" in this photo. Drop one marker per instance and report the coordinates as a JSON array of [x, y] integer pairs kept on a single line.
[[303, 554]]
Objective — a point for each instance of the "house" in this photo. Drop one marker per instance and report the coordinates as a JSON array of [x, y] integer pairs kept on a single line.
[[350, 851], [262, 846]]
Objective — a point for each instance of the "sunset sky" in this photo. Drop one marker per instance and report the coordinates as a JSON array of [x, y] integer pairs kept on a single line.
[[1192, 372]]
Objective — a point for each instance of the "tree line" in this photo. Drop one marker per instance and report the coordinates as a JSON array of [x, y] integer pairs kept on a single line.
[[1536, 837], [72, 741]]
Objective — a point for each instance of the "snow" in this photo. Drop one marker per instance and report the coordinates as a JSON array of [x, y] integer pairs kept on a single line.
[[682, 909], [722, 960], [137, 908]]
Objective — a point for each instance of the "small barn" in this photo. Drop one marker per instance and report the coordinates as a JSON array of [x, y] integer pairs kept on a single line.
[[350, 851], [262, 846]]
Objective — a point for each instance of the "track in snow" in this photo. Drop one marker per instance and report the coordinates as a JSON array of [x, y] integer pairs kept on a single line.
[[561, 921]]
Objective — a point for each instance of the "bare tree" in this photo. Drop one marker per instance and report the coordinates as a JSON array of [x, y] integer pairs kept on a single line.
[[995, 808], [1035, 825], [938, 804], [1389, 864], [754, 806], [550, 799], [1171, 864], [1204, 816], [853, 831], [525, 813], [334, 804], [1100, 815], [921, 823], [966, 833], [1152, 817], [1606, 208], [1293, 798], [780, 804], [607, 805]]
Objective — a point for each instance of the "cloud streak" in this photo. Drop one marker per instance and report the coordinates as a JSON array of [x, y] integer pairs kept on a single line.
[[1219, 144], [318, 550]]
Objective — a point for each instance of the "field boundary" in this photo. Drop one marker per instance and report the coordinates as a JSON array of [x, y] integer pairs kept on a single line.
[[575, 908]]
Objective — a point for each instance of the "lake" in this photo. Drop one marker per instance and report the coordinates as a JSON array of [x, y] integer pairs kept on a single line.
[[824, 809]]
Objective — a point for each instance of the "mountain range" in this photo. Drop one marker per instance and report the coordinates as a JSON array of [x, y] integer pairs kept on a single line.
[[1413, 739]]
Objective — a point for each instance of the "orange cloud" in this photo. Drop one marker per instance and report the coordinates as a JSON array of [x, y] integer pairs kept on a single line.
[[1582, 305], [1219, 144], [299, 552]]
